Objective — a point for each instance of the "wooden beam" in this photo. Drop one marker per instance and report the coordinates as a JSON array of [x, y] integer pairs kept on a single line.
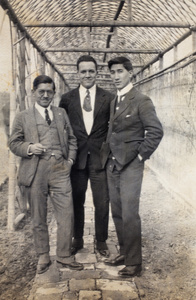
[[99, 65], [108, 24], [105, 50]]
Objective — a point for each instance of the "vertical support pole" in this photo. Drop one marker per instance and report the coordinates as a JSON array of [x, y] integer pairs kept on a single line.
[[89, 10], [161, 63], [175, 49], [129, 5], [193, 40], [41, 64], [89, 16], [21, 66], [51, 72], [12, 160], [194, 49], [28, 73]]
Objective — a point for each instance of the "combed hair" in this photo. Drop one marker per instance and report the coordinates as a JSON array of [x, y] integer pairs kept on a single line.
[[42, 79], [121, 60]]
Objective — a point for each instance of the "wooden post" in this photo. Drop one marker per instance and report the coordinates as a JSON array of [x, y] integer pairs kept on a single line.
[[175, 49], [28, 73], [41, 64], [194, 49], [129, 5], [21, 74], [51, 72], [12, 160]]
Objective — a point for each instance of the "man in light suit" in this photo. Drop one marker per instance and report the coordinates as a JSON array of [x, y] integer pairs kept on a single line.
[[134, 134], [88, 108], [43, 138]]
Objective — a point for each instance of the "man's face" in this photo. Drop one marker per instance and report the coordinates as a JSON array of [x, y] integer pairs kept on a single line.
[[44, 94], [87, 73], [120, 76]]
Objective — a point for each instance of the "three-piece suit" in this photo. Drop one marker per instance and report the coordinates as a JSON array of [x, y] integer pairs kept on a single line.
[[47, 174], [134, 129], [88, 163]]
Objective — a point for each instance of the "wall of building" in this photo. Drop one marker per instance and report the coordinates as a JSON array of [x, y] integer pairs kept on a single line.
[[174, 95]]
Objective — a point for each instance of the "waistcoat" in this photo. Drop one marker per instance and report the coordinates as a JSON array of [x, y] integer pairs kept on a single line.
[[48, 137]]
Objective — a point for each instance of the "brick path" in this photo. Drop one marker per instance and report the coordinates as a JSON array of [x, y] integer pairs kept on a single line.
[[96, 281]]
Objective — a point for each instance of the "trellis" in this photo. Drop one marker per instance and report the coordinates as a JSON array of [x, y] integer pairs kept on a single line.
[[51, 35], [23, 51]]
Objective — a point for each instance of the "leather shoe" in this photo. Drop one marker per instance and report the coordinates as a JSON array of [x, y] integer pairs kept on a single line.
[[41, 268], [72, 265], [102, 248], [105, 253], [74, 250], [117, 261], [130, 271]]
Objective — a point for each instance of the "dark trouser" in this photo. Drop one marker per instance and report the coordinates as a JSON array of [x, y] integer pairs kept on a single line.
[[124, 191], [52, 178], [98, 181]]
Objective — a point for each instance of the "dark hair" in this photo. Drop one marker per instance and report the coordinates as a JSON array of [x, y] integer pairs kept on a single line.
[[121, 60], [86, 58], [43, 79]]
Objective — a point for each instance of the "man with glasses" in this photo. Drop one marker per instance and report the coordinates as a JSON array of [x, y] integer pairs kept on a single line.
[[88, 108], [42, 136]]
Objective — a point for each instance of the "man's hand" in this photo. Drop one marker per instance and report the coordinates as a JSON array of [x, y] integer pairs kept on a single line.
[[36, 149]]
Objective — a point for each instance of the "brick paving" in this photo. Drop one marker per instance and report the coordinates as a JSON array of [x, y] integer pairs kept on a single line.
[[96, 281]]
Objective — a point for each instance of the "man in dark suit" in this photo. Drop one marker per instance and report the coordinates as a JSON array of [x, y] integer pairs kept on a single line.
[[134, 134], [88, 108], [43, 138]]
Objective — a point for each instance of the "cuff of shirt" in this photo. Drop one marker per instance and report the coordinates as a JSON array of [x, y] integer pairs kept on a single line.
[[29, 153]]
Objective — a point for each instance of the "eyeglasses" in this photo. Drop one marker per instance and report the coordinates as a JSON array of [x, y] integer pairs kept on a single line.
[[42, 93]]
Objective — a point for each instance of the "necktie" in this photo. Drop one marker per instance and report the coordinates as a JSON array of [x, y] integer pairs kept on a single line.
[[87, 101], [118, 102], [48, 120]]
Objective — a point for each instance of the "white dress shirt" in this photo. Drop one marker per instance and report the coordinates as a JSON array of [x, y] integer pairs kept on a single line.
[[41, 110], [88, 117], [124, 91]]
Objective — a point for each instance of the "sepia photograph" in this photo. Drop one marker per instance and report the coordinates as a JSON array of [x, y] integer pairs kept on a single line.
[[98, 149]]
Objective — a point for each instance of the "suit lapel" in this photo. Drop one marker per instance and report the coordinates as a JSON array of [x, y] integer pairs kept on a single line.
[[125, 103], [77, 107], [32, 124], [99, 101], [76, 103]]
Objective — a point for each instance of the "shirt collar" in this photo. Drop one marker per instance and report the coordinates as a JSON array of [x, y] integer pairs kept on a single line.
[[41, 108], [125, 90], [83, 89]]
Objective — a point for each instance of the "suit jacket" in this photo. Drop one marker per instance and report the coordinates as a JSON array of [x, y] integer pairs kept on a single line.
[[25, 132], [88, 143], [133, 129]]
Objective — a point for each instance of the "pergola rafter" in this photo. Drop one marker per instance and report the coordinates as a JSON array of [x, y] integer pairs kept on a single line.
[[110, 24]]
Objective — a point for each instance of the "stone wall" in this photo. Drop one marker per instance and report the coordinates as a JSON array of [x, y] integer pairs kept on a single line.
[[174, 96]]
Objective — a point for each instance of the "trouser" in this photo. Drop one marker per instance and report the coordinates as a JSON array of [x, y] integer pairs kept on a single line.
[[98, 181], [124, 191], [52, 178]]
